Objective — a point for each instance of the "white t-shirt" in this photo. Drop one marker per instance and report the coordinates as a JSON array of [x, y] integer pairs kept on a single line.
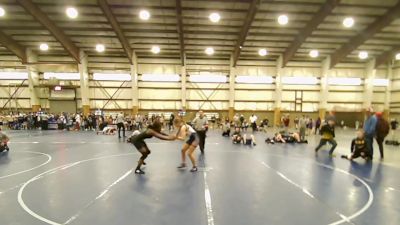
[[253, 119], [120, 118]]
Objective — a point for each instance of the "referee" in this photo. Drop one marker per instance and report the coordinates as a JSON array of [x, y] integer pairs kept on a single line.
[[200, 124]]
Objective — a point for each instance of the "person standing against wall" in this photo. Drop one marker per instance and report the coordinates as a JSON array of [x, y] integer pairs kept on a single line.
[[317, 125], [236, 120], [382, 130], [303, 127], [120, 124], [200, 124], [171, 122], [253, 121], [296, 122], [369, 130]]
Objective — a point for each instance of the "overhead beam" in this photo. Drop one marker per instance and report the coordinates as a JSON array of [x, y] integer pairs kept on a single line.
[[179, 24], [42, 18], [375, 27], [316, 20], [117, 28], [387, 56], [13, 46], [251, 14]]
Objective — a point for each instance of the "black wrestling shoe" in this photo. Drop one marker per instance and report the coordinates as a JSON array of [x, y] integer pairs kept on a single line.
[[139, 171], [194, 169], [182, 166]]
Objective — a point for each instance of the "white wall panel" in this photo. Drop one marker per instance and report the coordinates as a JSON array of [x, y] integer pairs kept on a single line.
[[311, 96], [204, 94], [260, 106], [378, 97], [255, 71], [345, 97], [345, 107], [288, 95], [105, 93], [301, 87], [381, 73], [360, 73], [255, 86], [215, 105], [310, 107], [160, 84], [159, 69], [159, 94], [254, 95], [288, 106]]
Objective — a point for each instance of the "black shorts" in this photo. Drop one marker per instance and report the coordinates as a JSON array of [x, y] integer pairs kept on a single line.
[[358, 153], [140, 145], [248, 142], [289, 139], [193, 139]]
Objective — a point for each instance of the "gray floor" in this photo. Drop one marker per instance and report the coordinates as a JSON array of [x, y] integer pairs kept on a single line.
[[82, 178]]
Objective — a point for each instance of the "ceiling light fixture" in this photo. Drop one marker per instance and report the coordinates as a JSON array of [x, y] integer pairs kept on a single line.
[[2, 12], [283, 19], [214, 17], [314, 53], [363, 55], [398, 56], [262, 52], [144, 15], [71, 12], [155, 49], [43, 47], [348, 22], [209, 51], [100, 48]]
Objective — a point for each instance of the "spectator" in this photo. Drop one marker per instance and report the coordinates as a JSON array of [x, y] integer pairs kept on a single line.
[[296, 122], [120, 124], [369, 130], [171, 122], [226, 129], [253, 121], [3, 142], [200, 124], [317, 125], [302, 127], [382, 130]]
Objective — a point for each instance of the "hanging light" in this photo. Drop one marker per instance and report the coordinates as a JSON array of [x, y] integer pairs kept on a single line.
[[363, 55], [314, 53], [263, 52], [209, 51], [43, 47], [71, 12], [348, 22], [2, 12], [283, 19], [214, 17], [144, 15], [155, 49], [100, 48]]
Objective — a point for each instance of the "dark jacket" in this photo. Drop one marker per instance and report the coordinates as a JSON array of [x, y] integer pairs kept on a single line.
[[382, 128], [327, 132]]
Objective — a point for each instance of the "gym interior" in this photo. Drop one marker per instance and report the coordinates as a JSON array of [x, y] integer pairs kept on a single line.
[[203, 112]]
